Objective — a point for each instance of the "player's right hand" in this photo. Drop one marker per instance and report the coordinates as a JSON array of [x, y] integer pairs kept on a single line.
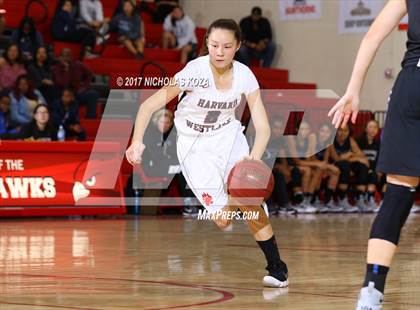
[[347, 107], [134, 152]]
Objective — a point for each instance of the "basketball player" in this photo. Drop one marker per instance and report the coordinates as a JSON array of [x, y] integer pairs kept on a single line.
[[400, 150], [210, 139]]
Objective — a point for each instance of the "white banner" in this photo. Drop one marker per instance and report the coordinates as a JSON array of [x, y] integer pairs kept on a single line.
[[299, 9], [356, 16]]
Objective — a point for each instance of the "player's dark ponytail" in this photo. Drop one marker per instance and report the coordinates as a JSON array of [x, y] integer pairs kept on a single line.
[[223, 23]]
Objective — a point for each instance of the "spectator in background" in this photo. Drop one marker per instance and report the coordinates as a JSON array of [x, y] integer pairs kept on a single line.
[[301, 149], [163, 8], [92, 14], [40, 74], [257, 39], [27, 38], [350, 159], [11, 66], [370, 145], [179, 33], [160, 155], [40, 128], [24, 99], [68, 73], [8, 128], [130, 29], [119, 8], [329, 171], [65, 27], [275, 155], [66, 113]]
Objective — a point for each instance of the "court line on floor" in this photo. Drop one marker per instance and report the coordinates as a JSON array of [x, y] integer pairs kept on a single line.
[[225, 294], [315, 249]]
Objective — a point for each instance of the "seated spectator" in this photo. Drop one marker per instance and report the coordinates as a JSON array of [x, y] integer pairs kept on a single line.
[[8, 128], [163, 8], [66, 113], [274, 156], [160, 155], [92, 14], [119, 8], [329, 171], [301, 149], [40, 74], [179, 33], [65, 27], [11, 66], [68, 73], [348, 157], [27, 38], [40, 128], [257, 39], [24, 99], [370, 145], [130, 29]]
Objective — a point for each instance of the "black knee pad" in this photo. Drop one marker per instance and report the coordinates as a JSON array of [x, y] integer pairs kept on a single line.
[[296, 177], [373, 178], [393, 213], [361, 172], [344, 167]]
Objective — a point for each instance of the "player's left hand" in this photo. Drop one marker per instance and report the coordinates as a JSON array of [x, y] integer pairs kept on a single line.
[[346, 107]]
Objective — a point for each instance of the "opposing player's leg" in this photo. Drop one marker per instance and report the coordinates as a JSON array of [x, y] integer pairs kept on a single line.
[[384, 238]]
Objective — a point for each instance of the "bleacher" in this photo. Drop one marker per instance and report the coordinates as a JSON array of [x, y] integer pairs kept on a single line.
[[115, 59]]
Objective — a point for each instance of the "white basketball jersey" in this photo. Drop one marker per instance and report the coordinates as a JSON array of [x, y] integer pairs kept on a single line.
[[205, 109]]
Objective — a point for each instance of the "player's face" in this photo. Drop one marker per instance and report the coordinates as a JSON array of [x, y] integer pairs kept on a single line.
[[42, 116], [41, 54], [67, 97], [222, 47], [372, 129], [277, 129], [23, 86], [324, 133], [67, 6], [177, 13], [5, 104], [12, 53], [128, 8], [304, 130], [343, 133], [164, 123]]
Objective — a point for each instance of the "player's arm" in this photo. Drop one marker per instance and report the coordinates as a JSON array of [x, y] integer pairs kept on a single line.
[[260, 121], [155, 102], [387, 20], [358, 154]]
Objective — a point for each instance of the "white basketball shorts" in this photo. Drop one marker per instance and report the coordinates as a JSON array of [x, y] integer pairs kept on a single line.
[[207, 160]]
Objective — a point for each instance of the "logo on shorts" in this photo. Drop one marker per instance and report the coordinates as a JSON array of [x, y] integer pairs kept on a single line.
[[208, 200]]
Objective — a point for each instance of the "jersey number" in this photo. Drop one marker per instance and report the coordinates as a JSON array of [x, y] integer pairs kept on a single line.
[[212, 117]]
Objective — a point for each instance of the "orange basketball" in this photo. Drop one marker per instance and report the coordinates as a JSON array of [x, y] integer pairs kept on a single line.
[[250, 179]]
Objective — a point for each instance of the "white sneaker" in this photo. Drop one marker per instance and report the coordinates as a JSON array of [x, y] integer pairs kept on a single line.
[[370, 298], [331, 208], [371, 203], [415, 209], [363, 206], [347, 207], [305, 207]]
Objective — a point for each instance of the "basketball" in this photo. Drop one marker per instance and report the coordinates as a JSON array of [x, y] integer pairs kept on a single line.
[[250, 179]]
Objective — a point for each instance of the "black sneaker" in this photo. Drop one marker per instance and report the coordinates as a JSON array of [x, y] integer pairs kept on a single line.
[[277, 276], [287, 210], [190, 211]]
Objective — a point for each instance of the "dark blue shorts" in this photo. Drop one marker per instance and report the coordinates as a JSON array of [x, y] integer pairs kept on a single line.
[[400, 140]]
